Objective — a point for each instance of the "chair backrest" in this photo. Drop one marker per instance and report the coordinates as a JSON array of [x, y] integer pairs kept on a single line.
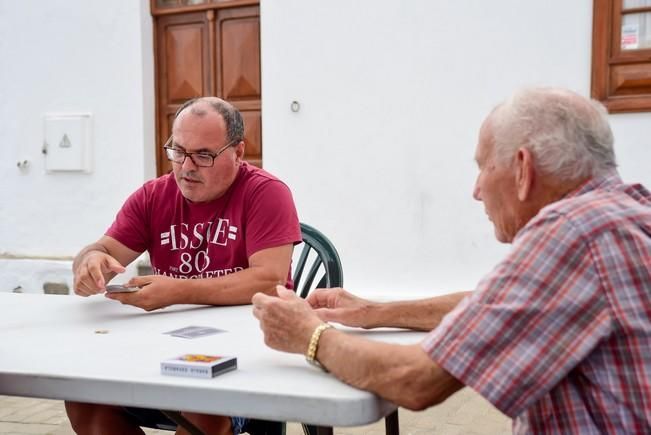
[[319, 257]]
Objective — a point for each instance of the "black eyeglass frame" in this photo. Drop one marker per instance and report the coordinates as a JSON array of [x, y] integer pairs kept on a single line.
[[169, 148]]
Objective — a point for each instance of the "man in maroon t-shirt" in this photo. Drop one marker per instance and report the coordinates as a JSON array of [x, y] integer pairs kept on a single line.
[[217, 231]]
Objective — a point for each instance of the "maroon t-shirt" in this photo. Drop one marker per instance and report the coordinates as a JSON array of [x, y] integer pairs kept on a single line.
[[211, 239]]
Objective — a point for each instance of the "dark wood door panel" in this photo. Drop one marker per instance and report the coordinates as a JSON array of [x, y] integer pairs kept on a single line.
[[164, 165], [253, 136], [238, 52], [183, 57], [183, 70], [184, 62], [215, 51]]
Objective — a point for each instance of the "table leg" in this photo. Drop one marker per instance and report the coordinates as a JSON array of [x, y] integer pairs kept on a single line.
[[391, 424]]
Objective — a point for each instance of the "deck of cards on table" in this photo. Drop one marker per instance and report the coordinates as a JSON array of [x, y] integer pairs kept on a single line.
[[198, 366]]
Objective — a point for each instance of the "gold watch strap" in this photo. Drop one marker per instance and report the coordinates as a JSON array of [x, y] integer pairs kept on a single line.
[[310, 356]]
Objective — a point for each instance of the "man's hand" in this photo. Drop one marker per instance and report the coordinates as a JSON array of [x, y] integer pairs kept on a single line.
[[287, 320], [337, 305], [89, 275], [156, 291]]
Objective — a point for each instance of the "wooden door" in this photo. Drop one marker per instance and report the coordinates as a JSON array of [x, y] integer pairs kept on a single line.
[[208, 50], [238, 71]]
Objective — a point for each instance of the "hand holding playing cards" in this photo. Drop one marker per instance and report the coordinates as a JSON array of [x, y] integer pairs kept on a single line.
[[338, 305], [91, 273], [287, 320], [156, 291]]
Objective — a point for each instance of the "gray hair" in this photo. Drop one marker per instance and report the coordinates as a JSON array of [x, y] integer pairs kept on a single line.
[[569, 135], [231, 116]]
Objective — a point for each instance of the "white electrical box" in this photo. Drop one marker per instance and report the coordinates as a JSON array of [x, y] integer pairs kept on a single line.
[[67, 145]]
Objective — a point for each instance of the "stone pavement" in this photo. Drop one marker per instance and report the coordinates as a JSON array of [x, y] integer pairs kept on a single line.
[[464, 413]]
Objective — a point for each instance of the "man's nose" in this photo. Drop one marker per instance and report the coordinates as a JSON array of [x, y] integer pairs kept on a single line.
[[189, 165], [476, 193]]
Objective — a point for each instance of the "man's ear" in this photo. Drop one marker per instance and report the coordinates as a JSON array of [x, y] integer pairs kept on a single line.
[[239, 151], [524, 173]]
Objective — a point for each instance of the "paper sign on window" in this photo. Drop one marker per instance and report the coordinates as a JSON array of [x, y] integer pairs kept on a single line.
[[630, 37]]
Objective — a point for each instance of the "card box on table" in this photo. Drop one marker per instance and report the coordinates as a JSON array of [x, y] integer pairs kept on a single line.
[[198, 366]]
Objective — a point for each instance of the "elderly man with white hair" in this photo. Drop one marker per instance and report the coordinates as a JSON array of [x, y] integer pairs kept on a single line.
[[558, 334]]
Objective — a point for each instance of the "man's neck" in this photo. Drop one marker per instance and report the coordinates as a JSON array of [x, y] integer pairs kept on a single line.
[[547, 191]]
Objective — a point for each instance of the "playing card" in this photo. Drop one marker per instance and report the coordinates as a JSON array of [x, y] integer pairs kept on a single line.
[[194, 331]]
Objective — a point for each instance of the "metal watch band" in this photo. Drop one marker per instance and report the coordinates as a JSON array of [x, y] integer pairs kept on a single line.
[[310, 356]]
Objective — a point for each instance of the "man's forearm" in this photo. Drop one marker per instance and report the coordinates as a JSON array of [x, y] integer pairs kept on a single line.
[[267, 268], [234, 289], [423, 314], [402, 374]]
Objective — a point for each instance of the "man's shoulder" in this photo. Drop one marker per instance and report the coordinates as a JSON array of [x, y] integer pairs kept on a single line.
[[616, 199], [596, 211], [254, 177]]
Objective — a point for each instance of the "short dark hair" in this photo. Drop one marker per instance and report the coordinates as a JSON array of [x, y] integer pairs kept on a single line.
[[230, 114]]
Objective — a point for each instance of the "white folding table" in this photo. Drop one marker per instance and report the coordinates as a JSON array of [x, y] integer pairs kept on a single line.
[[97, 350]]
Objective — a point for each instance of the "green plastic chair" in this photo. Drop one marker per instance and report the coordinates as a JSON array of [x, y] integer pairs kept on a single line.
[[323, 260], [318, 266]]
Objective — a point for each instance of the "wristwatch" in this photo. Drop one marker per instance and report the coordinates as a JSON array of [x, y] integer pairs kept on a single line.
[[310, 356]]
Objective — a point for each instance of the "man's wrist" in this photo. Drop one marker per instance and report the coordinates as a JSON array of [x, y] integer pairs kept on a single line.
[[372, 315], [86, 252]]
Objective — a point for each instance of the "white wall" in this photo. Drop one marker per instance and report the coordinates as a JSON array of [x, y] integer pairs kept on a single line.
[[380, 156], [70, 56]]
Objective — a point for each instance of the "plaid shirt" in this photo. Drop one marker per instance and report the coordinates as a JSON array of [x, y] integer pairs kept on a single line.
[[558, 335]]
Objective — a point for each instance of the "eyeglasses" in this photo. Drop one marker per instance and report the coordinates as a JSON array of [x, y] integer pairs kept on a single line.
[[202, 159]]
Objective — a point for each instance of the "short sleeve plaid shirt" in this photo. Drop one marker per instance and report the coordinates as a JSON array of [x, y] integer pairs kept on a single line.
[[558, 335]]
